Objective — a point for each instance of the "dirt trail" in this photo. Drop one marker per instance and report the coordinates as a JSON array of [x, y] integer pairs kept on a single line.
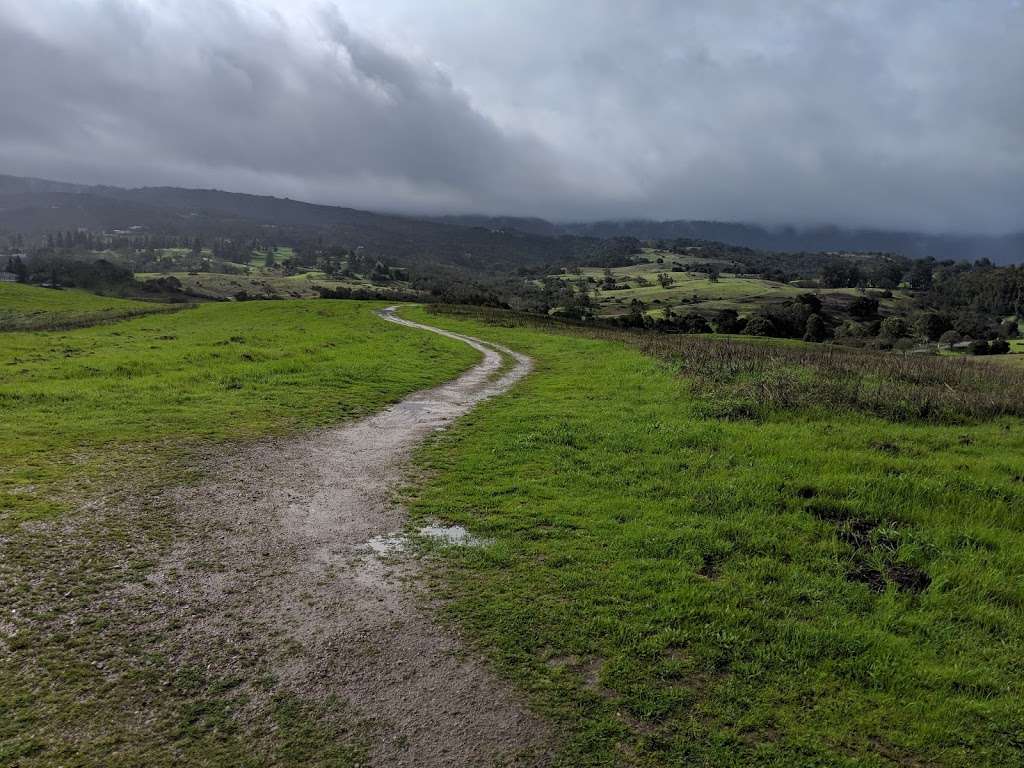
[[286, 525]]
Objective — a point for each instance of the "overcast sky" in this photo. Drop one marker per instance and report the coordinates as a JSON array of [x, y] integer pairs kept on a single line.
[[889, 113]]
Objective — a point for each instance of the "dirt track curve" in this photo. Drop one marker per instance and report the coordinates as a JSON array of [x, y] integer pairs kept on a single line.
[[286, 523]]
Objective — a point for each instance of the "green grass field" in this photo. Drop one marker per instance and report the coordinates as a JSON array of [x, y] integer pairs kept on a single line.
[[215, 285], [694, 291], [96, 422], [29, 307], [88, 397], [800, 589], [803, 585]]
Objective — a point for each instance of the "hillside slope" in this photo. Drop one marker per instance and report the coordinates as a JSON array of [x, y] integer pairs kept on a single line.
[[32, 207], [480, 243]]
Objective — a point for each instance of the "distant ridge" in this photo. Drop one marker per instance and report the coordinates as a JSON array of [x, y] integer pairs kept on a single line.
[[1006, 249], [32, 206]]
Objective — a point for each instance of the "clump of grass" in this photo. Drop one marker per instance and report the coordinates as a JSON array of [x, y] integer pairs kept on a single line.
[[738, 378]]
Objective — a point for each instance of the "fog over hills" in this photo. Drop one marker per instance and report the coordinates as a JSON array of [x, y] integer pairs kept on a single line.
[[877, 115], [33, 206]]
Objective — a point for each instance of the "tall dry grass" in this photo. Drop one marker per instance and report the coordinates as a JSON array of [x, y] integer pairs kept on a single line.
[[737, 378]]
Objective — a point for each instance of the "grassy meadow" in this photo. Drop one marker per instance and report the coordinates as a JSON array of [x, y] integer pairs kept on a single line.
[[704, 551], [694, 291], [28, 307], [86, 400], [96, 422], [263, 284], [799, 585]]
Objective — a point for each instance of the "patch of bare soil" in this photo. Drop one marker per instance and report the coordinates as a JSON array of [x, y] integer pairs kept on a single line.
[[278, 569]]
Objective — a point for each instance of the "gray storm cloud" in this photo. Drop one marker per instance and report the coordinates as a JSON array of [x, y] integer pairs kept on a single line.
[[880, 113]]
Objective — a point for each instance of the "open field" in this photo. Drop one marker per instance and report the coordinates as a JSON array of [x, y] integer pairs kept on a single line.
[[28, 307], [212, 373], [260, 284], [696, 550], [98, 423], [794, 589], [695, 291]]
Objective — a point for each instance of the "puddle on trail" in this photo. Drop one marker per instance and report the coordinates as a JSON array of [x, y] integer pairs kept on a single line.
[[452, 535], [387, 545], [455, 535]]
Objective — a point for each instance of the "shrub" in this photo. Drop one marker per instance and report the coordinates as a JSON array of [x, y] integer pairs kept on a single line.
[[729, 321], [975, 325], [815, 330], [949, 338], [864, 307], [812, 302], [999, 347], [894, 328], [694, 323], [759, 325], [930, 325], [979, 347]]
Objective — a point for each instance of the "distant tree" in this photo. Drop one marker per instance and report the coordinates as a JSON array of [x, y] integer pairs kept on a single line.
[[930, 325], [758, 325], [17, 266], [637, 317], [894, 328], [1009, 329], [713, 274], [864, 307], [999, 347], [665, 281], [269, 260], [812, 302], [380, 273], [816, 330], [979, 347], [975, 324], [921, 275], [694, 323], [728, 321], [949, 338], [886, 275], [841, 273]]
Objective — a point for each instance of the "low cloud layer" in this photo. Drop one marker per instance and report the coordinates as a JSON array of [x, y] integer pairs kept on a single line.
[[881, 113]]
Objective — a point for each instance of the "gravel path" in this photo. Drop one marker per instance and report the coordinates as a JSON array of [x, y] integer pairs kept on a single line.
[[286, 525]]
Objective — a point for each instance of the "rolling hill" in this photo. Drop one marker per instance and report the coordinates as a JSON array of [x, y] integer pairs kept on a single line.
[[477, 243]]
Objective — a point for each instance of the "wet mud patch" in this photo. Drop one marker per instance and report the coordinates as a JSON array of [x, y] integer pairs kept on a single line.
[[711, 565], [875, 547], [446, 535]]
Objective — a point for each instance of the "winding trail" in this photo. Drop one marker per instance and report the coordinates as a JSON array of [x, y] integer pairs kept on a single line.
[[286, 523]]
